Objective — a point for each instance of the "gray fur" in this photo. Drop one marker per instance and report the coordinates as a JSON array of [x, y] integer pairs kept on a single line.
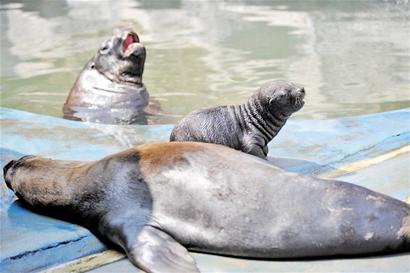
[[109, 89], [248, 127]]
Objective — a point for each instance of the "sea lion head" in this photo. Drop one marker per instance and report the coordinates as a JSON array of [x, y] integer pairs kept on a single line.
[[282, 96], [10, 169], [109, 89], [31, 176], [121, 58]]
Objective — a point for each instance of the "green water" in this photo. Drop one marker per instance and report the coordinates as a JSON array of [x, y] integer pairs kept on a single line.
[[353, 57]]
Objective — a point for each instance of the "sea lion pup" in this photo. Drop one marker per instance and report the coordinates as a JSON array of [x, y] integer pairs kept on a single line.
[[248, 127], [109, 89], [156, 201]]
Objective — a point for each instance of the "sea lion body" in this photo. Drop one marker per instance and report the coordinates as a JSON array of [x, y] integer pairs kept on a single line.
[[248, 127], [109, 89], [157, 200]]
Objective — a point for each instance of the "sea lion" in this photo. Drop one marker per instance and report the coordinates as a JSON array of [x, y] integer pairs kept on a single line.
[[248, 127], [109, 89], [158, 200]]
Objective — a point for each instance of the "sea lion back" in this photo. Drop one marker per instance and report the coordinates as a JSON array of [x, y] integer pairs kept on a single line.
[[211, 125]]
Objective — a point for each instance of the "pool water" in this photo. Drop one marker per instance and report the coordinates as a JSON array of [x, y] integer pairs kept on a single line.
[[353, 57]]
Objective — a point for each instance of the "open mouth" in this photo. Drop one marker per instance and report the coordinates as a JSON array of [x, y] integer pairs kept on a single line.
[[131, 43]]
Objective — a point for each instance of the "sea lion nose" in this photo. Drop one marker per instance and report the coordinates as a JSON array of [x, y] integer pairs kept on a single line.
[[6, 177], [139, 47], [300, 90], [7, 167], [15, 163]]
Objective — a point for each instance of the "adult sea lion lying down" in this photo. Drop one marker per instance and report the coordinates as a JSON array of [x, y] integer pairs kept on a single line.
[[156, 201], [109, 89], [248, 127]]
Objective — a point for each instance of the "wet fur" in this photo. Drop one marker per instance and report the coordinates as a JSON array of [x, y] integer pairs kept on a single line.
[[109, 89], [154, 201]]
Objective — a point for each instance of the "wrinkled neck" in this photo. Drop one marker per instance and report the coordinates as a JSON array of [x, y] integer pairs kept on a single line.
[[252, 115]]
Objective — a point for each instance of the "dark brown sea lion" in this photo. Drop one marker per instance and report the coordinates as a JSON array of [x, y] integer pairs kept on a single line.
[[109, 89], [247, 127], [156, 201]]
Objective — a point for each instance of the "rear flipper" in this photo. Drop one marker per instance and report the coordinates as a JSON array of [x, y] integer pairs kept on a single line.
[[155, 251]]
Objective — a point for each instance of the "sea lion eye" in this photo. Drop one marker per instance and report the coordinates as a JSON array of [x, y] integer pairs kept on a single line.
[[105, 47], [282, 95]]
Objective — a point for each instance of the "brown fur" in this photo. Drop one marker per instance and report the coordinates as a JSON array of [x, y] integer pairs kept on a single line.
[[239, 205], [42, 181], [153, 157]]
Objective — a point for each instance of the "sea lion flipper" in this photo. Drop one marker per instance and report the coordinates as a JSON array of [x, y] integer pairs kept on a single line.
[[256, 151], [155, 251]]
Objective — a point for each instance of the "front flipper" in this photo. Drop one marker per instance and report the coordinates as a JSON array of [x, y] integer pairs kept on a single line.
[[256, 150], [155, 251]]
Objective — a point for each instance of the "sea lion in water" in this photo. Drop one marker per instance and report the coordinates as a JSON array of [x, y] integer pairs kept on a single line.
[[248, 127], [156, 201], [109, 89]]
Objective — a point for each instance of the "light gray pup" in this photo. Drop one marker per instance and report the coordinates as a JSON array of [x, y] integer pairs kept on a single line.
[[247, 127]]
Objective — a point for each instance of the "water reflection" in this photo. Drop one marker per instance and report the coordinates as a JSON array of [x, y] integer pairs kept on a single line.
[[352, 56]]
